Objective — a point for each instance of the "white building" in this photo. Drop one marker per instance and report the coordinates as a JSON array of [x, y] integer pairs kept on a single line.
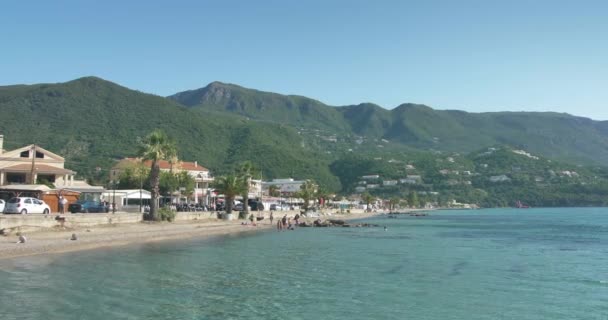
[[360, 189], [500, 178], [127, 200], [200, 174], [285, 186], [31, 165], [371, 176], [390, 182]]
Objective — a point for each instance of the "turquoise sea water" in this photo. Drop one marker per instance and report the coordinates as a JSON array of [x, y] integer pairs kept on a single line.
[[483, 264]]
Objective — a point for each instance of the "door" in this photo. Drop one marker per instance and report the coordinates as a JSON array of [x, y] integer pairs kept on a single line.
[[38, 206]]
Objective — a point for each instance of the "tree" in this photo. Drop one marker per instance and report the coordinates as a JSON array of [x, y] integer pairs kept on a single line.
[[367, 198], [274, 191], [134, 176], [185, 181], [230, 186], [308, 191], [412, 199], [156, 146], [245, 173], [393, 202]]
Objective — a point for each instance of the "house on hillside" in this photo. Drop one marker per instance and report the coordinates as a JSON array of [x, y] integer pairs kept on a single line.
[[359, 189], [387, 183], [371, 177], [500, 178], [408, 181], [201, 175]]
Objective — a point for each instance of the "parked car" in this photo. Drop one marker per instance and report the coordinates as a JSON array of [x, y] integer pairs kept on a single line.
[[25, 205], [87, 206], [2, 204], [238, 206], [256, 205]]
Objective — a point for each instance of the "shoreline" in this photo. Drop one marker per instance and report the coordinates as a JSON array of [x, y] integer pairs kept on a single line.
[[56, 241]]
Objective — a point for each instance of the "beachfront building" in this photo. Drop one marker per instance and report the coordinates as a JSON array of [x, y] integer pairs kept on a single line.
[[32, 165], [201, 175], [287, 187], [36, 172], [132, 200]]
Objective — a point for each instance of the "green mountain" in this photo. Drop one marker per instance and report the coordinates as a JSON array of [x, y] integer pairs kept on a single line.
[[263, 106], [93, 122], [554, 135]]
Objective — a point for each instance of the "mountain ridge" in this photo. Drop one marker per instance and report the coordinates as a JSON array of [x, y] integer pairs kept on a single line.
[[417, 125]]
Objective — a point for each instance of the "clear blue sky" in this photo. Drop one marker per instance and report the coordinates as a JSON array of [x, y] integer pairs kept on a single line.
[[471, 55]]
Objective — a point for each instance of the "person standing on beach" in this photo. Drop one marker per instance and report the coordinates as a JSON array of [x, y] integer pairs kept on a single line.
[[271, 217], [63, 203], [279, 225], [284, 221], [60, 202]]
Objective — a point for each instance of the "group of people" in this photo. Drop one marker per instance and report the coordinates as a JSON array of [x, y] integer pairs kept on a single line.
[[286, 223]]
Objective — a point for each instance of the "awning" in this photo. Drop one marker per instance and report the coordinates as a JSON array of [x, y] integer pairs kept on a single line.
[[26, 187], [38, 168]]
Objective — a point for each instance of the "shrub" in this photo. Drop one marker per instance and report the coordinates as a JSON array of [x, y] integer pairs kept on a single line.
[[166, 214]]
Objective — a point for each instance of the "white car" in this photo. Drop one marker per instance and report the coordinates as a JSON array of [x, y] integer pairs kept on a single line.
[[2, 205], [25, 205]]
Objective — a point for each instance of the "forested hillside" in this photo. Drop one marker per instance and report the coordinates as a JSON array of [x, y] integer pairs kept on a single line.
[[443, 155]]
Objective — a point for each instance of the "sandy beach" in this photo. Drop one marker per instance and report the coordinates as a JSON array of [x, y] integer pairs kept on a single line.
[[57, 240]]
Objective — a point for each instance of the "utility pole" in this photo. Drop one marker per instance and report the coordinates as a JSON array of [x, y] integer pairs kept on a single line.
[[32, 180]]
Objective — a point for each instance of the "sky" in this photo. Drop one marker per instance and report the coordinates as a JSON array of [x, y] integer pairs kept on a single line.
[[477, 56]]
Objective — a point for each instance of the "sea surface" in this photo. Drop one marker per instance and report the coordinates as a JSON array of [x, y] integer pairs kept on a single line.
[[479, 264]]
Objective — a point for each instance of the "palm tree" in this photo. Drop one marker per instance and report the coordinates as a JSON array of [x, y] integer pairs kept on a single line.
[[308, 191], [245, 173], [156, 147], [368, 198], [393, 202], [230, 186]]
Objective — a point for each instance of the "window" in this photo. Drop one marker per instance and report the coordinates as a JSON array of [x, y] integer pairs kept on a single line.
[[28, 201], [39, 155], [15, 177], [46, 177], [25, 154]]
